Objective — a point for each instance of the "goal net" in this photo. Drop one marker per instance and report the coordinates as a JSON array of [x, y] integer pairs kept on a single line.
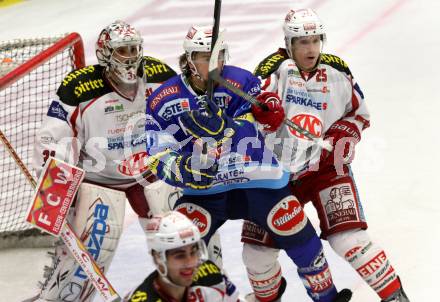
[[30, 72]]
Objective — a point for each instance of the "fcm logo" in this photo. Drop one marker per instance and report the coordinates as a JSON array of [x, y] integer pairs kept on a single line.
[[308, 122]]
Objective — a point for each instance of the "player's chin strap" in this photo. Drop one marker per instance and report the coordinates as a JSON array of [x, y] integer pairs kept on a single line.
[[215, 75]]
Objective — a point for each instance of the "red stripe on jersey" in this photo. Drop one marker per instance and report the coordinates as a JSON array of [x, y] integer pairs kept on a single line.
[[88, 105], [266, 83], [73, 121]]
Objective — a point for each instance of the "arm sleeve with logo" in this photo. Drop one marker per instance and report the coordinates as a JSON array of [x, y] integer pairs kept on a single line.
[[60, 135]]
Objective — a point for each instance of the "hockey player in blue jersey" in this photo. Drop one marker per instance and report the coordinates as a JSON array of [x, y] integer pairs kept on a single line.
[[214, 151]]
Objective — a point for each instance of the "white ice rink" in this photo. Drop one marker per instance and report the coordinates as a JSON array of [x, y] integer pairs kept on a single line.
[[391, 47]]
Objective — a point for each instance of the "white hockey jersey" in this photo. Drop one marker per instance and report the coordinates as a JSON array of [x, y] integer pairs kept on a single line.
[[93, 127], [327, 95]]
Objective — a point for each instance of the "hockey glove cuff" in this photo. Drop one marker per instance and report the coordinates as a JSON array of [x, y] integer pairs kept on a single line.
[[343, 136], [271, 117]]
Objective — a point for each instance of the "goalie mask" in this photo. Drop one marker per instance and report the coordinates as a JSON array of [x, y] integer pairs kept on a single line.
[[119, 48], [198, 39], [169, 231], [302, 23]]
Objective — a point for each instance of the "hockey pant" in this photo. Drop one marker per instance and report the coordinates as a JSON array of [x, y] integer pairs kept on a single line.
[[281, 215], [342, 222], [97, 219], [161, 198]]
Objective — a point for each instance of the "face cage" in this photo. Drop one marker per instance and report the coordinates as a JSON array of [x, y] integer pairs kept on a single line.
[[203, 251], [126, 72]]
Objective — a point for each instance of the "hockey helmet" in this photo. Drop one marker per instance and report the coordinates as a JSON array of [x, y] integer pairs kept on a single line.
[[119, 47], [302, 23], [198, 39], [170, 231]]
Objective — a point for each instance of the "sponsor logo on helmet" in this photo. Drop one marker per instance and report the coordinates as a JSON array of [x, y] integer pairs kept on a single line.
[[287, 217], [309, 26], [191, 32], [174, 107], [308, 122], [186, 233], [134, 165], [56, 110], [198, 215], [163, 93]]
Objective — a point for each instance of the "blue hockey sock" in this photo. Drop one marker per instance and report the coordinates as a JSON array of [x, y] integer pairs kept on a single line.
[[313, 270]]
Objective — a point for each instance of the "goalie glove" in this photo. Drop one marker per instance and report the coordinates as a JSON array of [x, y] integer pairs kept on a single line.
[[212, 123], [272, 116], [343, 136]]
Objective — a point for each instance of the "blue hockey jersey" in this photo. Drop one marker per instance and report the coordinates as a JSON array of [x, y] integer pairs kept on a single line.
[[246, 164]]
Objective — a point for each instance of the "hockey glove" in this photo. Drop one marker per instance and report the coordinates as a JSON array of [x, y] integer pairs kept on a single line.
[[271, 117], [212, 123], [195, 172], [343, 136]]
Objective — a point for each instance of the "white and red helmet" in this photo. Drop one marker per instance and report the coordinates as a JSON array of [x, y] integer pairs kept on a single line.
[[123, 39], [198, 39], [302, 23], [169, 231]]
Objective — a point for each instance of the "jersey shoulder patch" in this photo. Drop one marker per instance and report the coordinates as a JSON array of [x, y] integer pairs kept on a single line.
[[271, 63], [208, 274], [335, 62], [155, 70], [82, 85]]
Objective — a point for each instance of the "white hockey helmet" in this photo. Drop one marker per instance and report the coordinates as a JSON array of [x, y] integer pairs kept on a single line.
[[124, 41], [169, 231], [302, 23], [198, 39]]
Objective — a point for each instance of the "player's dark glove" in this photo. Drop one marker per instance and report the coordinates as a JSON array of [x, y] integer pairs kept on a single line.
[[209, 123], [196, 172], [343, 136], [272, 116]]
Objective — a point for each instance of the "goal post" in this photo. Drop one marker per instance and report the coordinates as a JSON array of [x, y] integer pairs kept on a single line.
[[30, 72]]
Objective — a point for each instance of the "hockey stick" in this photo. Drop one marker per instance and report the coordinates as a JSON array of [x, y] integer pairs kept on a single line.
[[71, 240], [215, 30], [215, 75]]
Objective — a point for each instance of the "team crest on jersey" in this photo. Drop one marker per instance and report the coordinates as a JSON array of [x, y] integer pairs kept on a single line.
[[287, 217], [308, 122], [174, 107], [136, 164], [339, 202], [198, 215], [56, 110]]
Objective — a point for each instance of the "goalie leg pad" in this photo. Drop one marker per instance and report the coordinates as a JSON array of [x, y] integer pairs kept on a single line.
[[368, 259], [98, 220], [264, 271]]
